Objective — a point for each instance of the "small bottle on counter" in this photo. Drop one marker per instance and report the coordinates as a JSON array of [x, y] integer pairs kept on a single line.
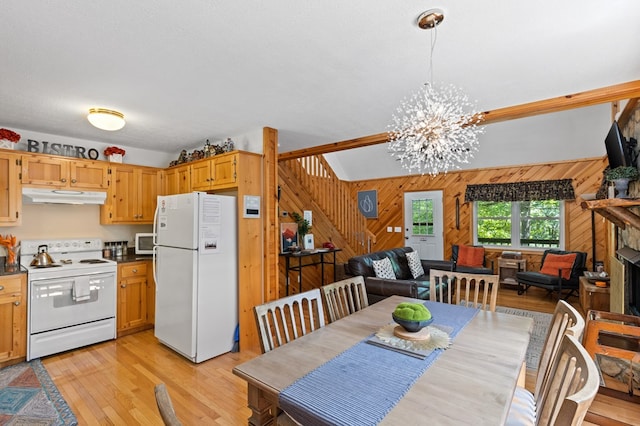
[[125, 248], [118, 249], [106, 251]]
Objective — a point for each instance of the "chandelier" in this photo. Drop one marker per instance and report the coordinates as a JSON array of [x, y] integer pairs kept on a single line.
[[433, 131]]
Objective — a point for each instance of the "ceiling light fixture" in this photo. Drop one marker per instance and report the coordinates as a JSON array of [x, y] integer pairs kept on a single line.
[[106, 119], [431, 132]]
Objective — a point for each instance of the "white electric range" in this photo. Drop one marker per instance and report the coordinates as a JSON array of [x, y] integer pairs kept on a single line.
[[72, 302]]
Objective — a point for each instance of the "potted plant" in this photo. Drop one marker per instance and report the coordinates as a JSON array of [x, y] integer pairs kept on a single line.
[[621, 176], [303, 224]]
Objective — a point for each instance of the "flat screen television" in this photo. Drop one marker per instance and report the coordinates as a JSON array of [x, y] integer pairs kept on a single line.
[[617, 150]]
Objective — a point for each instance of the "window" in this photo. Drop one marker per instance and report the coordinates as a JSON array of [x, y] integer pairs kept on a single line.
[[521, 224], [422, 217]]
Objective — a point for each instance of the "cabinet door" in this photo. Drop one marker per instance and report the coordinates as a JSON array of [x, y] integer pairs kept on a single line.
[[10, 197], [88, 175], [224, 171], [123, 195], [178, 180], [201, 175], [132, 303], [45, 171], [13, 317], [148, 181]]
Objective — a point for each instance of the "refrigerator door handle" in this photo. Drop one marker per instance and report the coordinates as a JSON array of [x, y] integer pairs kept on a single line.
[[154, 266], [155, 226]]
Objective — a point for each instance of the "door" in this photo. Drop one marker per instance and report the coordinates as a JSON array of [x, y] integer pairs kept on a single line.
[[177, 221], [176, 299], [423, 228]]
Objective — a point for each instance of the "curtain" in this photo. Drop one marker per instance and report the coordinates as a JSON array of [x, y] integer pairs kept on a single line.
[[521, 191]]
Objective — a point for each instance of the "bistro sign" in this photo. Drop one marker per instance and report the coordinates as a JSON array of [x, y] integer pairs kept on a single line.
[[45, 147]]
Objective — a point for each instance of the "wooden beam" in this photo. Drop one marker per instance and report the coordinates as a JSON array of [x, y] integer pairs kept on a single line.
[[626, 112], [630, 90]]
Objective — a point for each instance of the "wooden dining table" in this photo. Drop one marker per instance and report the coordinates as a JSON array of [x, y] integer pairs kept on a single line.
[[471, 382]]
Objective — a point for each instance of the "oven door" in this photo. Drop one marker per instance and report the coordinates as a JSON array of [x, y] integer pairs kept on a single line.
[[54, 302]]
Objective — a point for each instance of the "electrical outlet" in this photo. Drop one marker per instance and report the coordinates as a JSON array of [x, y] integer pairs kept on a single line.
[[398, 229], [389, 229], [285, 214]]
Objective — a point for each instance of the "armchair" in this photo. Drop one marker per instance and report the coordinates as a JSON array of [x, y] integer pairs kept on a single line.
[[560, 271], [470, 260]]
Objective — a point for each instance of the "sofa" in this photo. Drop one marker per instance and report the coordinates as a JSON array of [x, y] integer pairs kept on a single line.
[[404, 284]]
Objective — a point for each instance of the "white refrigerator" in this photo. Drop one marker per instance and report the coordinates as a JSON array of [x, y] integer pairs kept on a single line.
[[196, 272]]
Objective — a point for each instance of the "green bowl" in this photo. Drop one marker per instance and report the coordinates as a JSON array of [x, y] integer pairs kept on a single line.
[[412, 326]]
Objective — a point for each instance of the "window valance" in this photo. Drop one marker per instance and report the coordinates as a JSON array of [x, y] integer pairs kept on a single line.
[[560, 189]]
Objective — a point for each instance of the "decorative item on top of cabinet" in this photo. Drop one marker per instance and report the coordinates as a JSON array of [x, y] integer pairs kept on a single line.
[[10, 191], [13, 311], [49, 171], [132, 195], [133, 294], [218, 172]]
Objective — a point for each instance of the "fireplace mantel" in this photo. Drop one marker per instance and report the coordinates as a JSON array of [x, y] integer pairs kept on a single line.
[[616, 210]]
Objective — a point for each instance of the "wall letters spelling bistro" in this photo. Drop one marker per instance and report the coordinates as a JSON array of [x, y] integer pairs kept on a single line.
[[64, 150]]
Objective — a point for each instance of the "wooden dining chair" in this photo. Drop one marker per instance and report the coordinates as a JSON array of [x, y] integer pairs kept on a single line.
[[573, 384], [165, 407], [472, 290], [283, 320], [345, 297]]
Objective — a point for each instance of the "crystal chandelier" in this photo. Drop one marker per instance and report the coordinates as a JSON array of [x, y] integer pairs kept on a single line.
[[432, 131]]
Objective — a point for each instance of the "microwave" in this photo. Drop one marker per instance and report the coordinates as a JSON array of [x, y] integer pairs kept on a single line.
[[144, 242]]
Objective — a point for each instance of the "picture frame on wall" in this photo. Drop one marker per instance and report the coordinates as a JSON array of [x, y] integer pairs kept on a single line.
[[368, 203], [288, 236]]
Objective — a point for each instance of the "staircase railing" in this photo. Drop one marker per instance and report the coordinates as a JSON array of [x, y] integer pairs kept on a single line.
[[334, 197]]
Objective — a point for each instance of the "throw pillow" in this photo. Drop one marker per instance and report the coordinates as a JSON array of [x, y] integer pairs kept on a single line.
[[384, 269], [553, 262], [413, 259], [470, 256]]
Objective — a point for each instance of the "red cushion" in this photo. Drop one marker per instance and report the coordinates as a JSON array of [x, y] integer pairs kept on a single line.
[[553, 262], [470, 256]]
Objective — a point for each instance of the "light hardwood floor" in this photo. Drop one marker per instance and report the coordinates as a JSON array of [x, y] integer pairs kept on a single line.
[[112, 383]]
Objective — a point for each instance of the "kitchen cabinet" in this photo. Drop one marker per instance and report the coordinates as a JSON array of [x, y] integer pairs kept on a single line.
[[132, 195], [218, 172], [47, 171], [13, 318], [133, 295], [178, 180], [10, 189]]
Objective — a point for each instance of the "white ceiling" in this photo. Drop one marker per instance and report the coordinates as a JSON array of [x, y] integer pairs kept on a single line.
[[319, 71]]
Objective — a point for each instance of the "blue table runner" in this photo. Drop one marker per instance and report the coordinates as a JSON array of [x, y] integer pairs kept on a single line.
[[362, 384]]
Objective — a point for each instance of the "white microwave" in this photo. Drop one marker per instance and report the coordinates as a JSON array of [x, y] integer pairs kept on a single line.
[[144, 242]]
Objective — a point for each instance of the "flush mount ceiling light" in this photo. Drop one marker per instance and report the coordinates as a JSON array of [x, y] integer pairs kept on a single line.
[[106, 119], [432, 131]]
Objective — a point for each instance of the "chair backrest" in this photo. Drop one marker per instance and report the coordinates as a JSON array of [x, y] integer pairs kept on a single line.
[[566, 320], [573, 384], [288, 318], [345, 297], [578, 265], [165, 407], [473, 290]]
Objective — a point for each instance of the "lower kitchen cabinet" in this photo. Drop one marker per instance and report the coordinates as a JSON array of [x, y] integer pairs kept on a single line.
[[135, 292], [13, 318]]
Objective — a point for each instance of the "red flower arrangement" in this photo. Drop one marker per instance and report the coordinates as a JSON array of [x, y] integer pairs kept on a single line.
[[9, 135], [113, 150]]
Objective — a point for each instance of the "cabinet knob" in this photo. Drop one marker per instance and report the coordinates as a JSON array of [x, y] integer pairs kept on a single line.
[[73, 181], [17, 303], [1, 287], [135, 271], [123, 286], [63, 180]]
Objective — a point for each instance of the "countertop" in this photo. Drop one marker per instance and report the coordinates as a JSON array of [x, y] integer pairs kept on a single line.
[[131, 257]]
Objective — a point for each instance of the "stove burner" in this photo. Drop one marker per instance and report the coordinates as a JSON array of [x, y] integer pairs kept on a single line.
[[93, 261], [52, 265]]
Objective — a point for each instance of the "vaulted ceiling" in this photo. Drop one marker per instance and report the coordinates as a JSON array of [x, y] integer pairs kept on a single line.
[[318, 71]]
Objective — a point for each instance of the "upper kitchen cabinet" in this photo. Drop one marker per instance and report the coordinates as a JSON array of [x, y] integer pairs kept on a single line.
[[177, 180], [48, 171], [218, 172], [132, 195], [10, 198]]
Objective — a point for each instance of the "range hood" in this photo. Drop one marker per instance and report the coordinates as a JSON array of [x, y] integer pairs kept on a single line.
[[60, 196]]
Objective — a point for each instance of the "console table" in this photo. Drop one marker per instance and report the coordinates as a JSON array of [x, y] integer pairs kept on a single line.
[[507, 269], [317, 257], [593, 297]]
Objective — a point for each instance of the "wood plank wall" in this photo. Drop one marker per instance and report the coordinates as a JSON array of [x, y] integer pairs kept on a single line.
[[586, 175]]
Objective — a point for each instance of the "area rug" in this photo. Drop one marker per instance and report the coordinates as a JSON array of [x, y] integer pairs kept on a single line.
[[29, 397], [541, 323]]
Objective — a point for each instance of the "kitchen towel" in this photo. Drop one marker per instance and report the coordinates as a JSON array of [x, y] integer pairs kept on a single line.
[[81, 289]]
